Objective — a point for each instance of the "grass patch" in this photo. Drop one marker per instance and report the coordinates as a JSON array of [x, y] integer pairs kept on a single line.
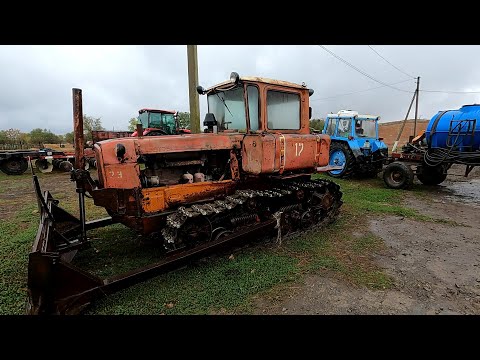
[[371, 196], [374, 278], [366, 243], [204, 288], [16, 240]]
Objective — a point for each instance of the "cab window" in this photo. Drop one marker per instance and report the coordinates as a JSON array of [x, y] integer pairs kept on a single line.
[[332, 123], [344, 127], [252, 94], [283, 110]]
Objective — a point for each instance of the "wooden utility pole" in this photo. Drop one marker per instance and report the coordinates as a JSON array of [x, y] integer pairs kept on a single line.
[[416, 108], [394, 148], [192, 89]]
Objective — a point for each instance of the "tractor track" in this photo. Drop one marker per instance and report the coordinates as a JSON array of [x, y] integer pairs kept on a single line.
[[301, 206]]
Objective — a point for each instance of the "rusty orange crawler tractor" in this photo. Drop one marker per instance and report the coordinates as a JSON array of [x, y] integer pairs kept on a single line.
[[248, 173]]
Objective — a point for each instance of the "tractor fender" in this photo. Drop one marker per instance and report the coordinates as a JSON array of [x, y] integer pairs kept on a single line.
[[354, 147]]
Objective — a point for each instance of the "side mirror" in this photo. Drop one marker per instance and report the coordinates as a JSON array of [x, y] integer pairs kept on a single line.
[[200, 90], [309, 112]]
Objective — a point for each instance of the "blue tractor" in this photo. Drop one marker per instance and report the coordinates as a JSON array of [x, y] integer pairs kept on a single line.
[[355, 144]]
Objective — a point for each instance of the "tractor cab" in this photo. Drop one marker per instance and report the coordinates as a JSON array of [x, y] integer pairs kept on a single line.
[[159, 122], [355, 143], [255, 105]]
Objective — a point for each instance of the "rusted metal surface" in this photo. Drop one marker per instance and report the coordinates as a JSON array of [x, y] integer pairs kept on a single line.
[[262, 80], [258, 154], [138, 131], [281, 144], [278, 153], [407, 156], [159, 199], [78, 128], [234, 168], [188, 142], [323, 149], [101, 135], [194, 101], [122, 175]]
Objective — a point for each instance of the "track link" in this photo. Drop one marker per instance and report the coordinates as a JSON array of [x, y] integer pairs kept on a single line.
[[302, 204]]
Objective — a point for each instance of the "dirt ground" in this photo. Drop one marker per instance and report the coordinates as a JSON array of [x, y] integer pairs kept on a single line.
[[435, 265], [16, 193]]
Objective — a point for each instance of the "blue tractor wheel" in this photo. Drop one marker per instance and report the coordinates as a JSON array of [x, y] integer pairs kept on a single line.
[[340, 155]]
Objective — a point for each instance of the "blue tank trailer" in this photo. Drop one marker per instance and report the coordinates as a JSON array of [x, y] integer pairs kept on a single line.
[[451, 137]]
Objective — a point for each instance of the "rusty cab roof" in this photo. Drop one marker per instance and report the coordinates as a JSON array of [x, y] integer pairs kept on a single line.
[[259, 80]]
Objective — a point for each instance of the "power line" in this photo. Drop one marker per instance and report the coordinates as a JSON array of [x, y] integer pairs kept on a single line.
[[376, 52], [360, 71], [356, 92], [451, 92]]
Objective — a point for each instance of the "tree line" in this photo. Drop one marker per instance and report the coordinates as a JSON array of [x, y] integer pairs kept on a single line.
[[39, 137]]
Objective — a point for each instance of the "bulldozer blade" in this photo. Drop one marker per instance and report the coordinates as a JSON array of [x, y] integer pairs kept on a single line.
[[52, 281], [50, 276]]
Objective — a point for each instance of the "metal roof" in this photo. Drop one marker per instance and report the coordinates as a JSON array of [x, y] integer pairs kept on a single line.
[[261, 80]]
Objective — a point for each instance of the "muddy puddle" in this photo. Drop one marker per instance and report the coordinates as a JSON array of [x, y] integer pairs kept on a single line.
[[463, 191]]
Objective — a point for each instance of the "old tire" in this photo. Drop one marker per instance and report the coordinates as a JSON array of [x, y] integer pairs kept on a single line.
[[397, 175], [44, 166], [14, 166], [340, 154], [432, 175]]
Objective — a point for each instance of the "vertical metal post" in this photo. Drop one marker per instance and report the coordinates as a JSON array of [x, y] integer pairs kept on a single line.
[[139, 130], [78, 129], [79, 155], [416, 108], [192, 89]]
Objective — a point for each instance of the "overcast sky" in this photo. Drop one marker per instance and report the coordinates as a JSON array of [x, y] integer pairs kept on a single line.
[[117, 81]]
